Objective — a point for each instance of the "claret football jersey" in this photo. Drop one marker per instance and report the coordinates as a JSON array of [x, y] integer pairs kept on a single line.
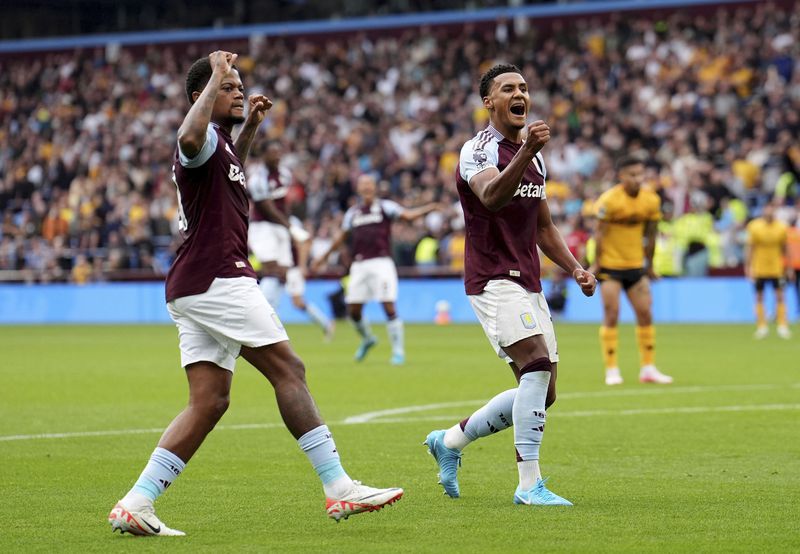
[[370, 226], [501, 244], [213, 217]]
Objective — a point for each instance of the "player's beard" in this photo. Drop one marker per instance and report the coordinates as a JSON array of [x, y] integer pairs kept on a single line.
[[516, 123], [236, 119]]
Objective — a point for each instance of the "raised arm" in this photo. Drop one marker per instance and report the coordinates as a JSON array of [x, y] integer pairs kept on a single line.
[[192, 132], [271, 213], [494, 188], [337, 243], [259, 106], [303, 252], [552, 244], [411, 214]]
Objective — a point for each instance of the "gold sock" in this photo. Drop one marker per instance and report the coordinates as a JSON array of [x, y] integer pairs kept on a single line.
[[608, 343], [761, 318], [780, 314], [646, 338]]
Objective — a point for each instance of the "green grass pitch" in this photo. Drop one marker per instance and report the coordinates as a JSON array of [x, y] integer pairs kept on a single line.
[[711, 463]]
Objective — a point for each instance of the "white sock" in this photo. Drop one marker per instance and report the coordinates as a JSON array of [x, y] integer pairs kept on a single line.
[[529, 474], [134, 501], [317, 316], [395, 330], [455, 438], [338, 488]]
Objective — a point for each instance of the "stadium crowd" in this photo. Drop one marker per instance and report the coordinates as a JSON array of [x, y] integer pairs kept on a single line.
[[712, 102]]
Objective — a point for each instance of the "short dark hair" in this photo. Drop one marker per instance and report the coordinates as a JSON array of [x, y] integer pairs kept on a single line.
[[627, 161], [488, 77], [198, 76]]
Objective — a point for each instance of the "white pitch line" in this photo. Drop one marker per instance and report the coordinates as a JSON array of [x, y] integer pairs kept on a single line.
[[109, 433], [370, 416], [379, 416], [120, 432], [643, 411]]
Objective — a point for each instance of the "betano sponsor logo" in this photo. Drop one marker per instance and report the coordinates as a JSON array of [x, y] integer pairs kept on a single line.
[[367, 219], [529, 190]]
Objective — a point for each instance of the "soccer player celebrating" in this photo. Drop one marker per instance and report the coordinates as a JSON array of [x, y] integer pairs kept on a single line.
[[373, 275], [220, 313], [764, 264], [501, 185], [278, 240], [625, 239]]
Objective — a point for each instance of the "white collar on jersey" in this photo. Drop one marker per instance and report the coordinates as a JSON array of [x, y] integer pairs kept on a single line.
[[495, 133]]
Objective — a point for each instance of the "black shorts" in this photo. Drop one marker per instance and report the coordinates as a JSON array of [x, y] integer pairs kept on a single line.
[[775, 282], [628, 277]]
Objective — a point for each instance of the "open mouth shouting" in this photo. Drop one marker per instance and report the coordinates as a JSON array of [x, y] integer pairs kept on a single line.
[[518, 109]]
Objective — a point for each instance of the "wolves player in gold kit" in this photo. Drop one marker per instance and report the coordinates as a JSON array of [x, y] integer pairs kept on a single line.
[[625, 242], [765, 264]]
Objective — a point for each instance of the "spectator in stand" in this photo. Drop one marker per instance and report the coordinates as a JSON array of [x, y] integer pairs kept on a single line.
[[793, 257], [86, 137]]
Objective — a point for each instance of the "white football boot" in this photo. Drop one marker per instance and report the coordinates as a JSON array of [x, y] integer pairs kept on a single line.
[[613, 376], [761, 332], [649, 374], [142, 522], [784, 332], [361, 498]]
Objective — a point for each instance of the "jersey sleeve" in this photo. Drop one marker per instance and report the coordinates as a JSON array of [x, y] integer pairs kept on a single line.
[[347, 220], [392, 209], [602, 208], [475, 158], [750, 231], [208, 149], [655, 209], [540, 164], [258, 185]]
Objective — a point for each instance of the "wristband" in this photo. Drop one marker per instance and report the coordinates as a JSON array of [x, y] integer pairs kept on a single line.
[[299, 234]]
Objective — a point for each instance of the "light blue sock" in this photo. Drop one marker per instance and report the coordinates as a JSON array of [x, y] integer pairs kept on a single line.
[[395, 330], [159, 473], [321, 451], [494, 416], [273, 290], [317, 316], [529, 414], [363, 327]]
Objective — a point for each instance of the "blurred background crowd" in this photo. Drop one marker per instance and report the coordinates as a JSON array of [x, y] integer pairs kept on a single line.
[[711, 101]]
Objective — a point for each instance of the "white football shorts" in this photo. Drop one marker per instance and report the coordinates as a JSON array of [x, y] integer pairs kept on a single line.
[[295, 282], [270, 242], [214, 325], [372, 279], [509, 313]]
